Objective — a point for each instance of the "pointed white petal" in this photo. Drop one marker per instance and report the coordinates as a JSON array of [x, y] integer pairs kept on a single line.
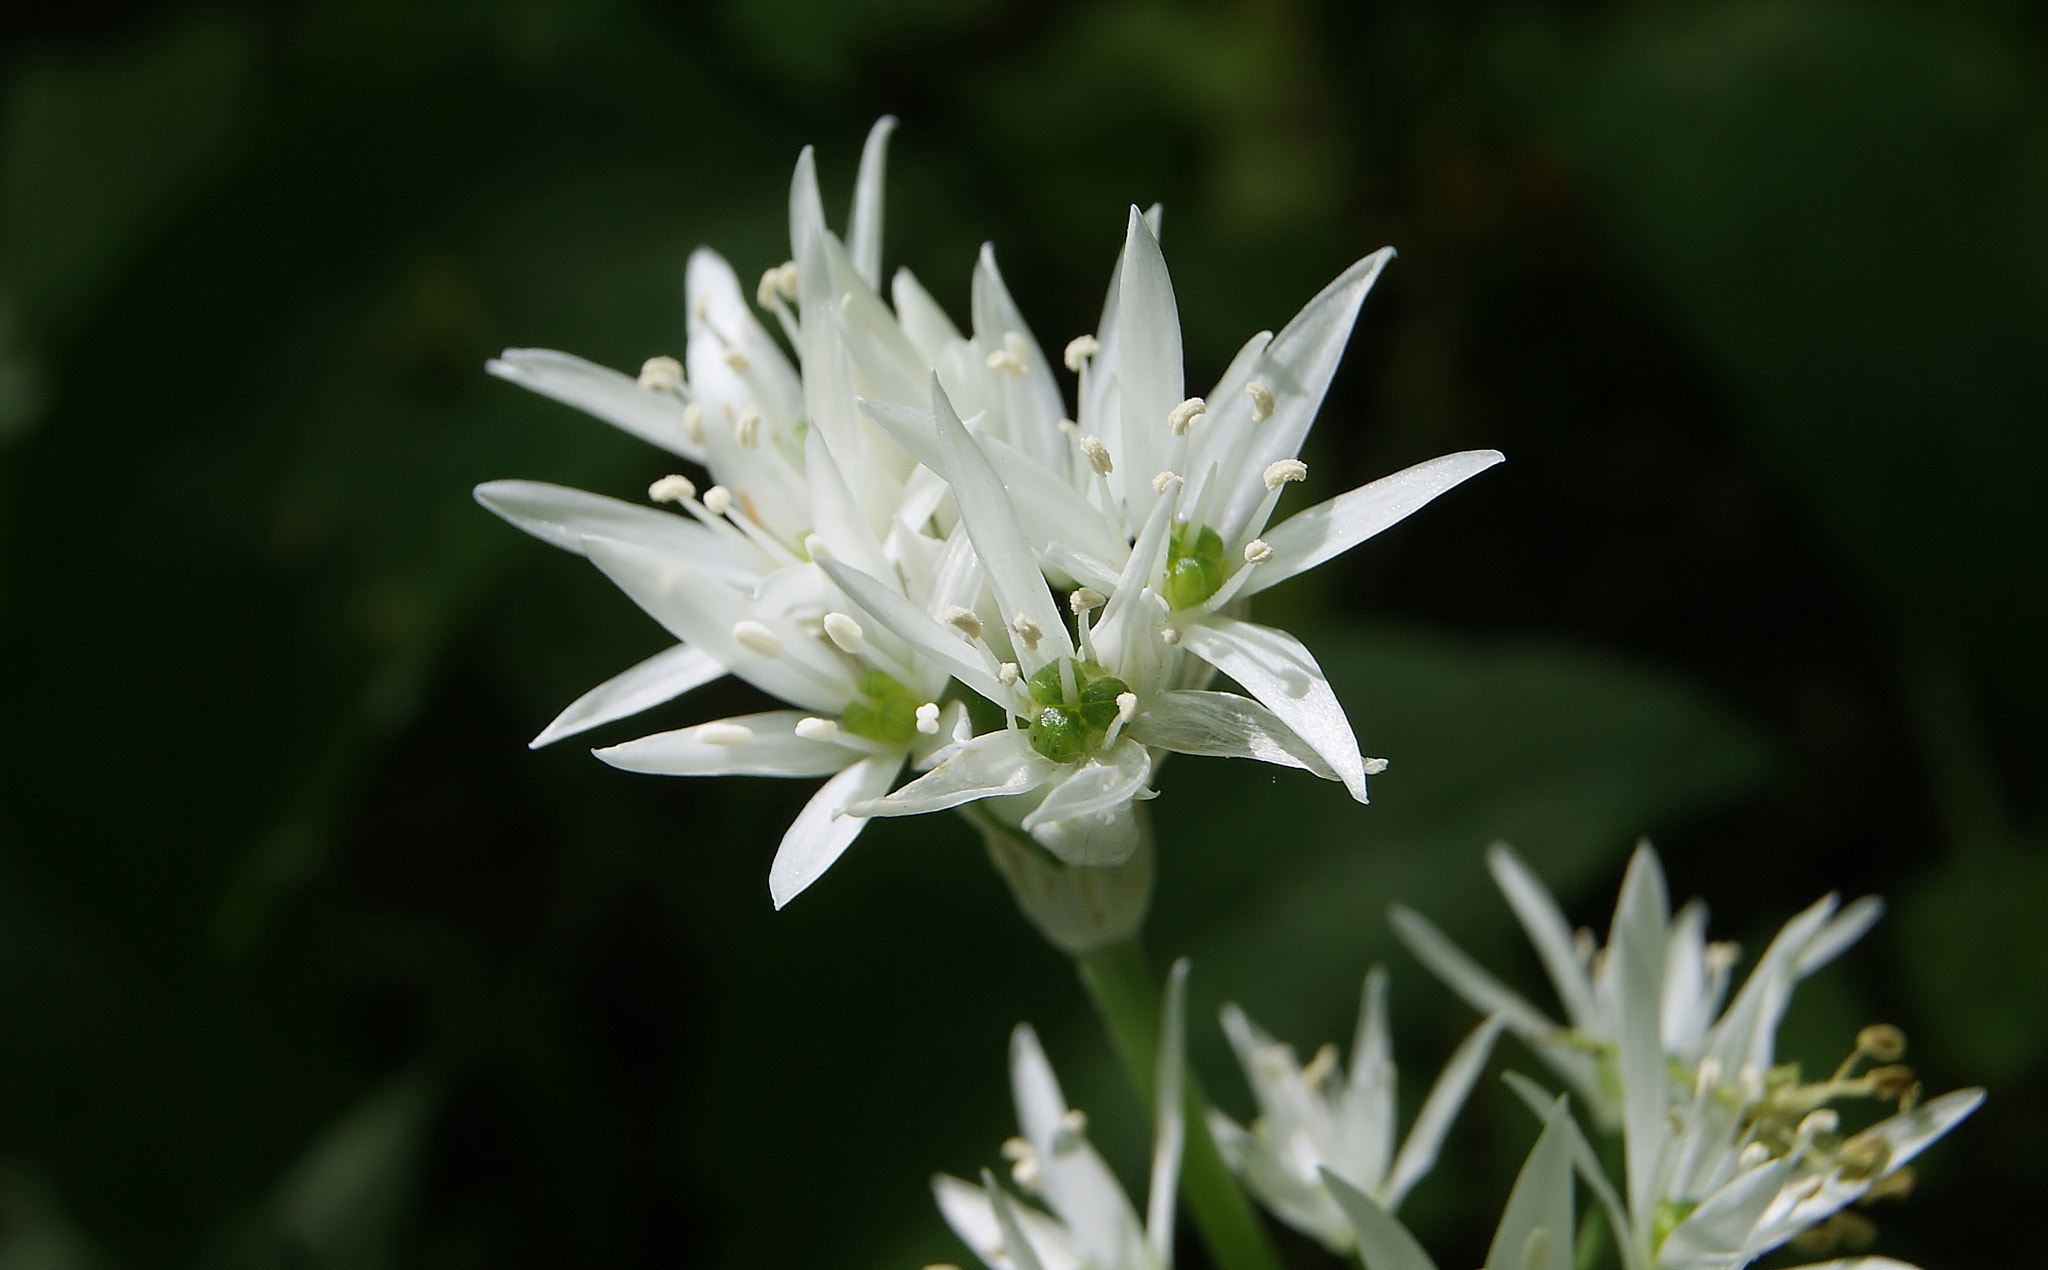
[[775, 750], [1168, 1129], [1747, 1030], [936, 640], [731, 357], [837, 518], [822, 832], [1366, 1107], [701, 610], [1031, 404], [619, 400], [1548, 930], [1724, 1222], [1224, 725], [564, 517], [927, 325], [1144, 355], [1433, 1122], [864, 226], [1463, 976], [1383, 1242], [1328, 529], [967, 1210], [991, 520], [1842, 931], [1274, 667], [990, 766], [1086, 819], [663, 677], [1077, 1185], [1586, 1163], [1636, 947], [1536, 1230], [1015, 1242], [1687, 1012]]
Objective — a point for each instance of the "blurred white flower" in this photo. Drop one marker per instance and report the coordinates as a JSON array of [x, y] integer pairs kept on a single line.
[[1312, 1119], [1087, 1220]]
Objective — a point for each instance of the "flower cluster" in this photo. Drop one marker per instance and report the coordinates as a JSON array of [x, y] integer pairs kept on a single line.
[[905, 539]]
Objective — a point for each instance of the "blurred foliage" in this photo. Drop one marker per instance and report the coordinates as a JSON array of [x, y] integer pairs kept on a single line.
[[306, 961]]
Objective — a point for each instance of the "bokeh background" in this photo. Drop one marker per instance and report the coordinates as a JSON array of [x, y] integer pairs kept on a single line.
[[306, 961]]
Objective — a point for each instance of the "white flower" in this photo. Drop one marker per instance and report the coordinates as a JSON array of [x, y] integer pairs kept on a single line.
[[1583, 1051], [1312, 1119], [1091, 1223]]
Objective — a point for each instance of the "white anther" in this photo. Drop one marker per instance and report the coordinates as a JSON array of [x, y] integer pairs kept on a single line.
[[815, 548], [1026, 630], [718, 500], [1007, 361], [1007, 673], [1016, 1149], [661, 374], [1823, 1121], [766, 290], [735, 359], [1261, 394], [1086, 599], [748, 429], [1283, 471], [1097, 455], [1019, 349], [1069, 428], [729, 736], [1074, 1121], [1080, 349], [1126, 706], [1752, 1155], [964, 620], [755, 637], [846, 633], [817, 729], [928, 718], [1184, 414], [1374, 766], [786, 279], [693, 422], [1721, 955], [1168, 635], [1257, 552], [1164, 482], [672, 489]]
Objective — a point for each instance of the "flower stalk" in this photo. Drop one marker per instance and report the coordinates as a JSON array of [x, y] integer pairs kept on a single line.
[[1126, 996]]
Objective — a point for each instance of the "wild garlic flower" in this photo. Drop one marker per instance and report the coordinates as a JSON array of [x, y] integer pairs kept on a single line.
[[1313, 1119], [1087, 1220], [1691, 1023], [1536, 1230]]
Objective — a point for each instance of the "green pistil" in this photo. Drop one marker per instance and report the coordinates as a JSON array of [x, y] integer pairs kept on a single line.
[[885, 711], [1194, 565], [1066, 730]]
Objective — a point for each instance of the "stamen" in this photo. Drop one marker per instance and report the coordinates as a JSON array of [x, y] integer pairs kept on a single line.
[[661, 374], [817, 729], [730, 736], [1320, 1067], [1005, 359], [1164, 482], [815, 548], [846, 633], [1019, 350], [1721, 956], [672, 489], [1257, 552], [1079, 350], [1882, 1042], [1374, 766], [735, 358], [1824, 1120], [765, 290], [1126, 710], [1097, 455], [1027, 630], [1285, 470], [748, 429], [786, 279], [693, 422], [756, 638], [1008, 674], [1168, 635], [964, 620], [1074, 1121], [1069, 428], [1184, 414], [1261, 394], [718, 500], [1085, 600], [928, 718]]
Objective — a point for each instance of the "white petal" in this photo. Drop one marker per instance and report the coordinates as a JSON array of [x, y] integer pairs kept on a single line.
[[1096, 784], [1746, 1032], [1383, 1242], [1687, 1012], [1168, 1129], [663, 677], [967, 1210], [1328, 529], [822, 832], [991, 520], [701, 610], [989, 766], [936, 640], [721, 323], [617, 399], [1032, 407], [1274, 667], [1842, 931], [1540, 1201], [1548, 930], [837, 518], [922, 319], [1015, 1242], [864, 226], [1224, 725], [1143, 353], [1366, 1128], [1077, 1185], [564, 517], [1636, 949], [776, 750], [1433, 1122], [1586, 1163]]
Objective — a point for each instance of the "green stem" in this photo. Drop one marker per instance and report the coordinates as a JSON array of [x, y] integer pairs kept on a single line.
[[1127, 998]]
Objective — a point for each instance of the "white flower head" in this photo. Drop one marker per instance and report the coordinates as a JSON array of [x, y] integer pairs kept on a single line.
[[1087, 1221], [1314, 1119]]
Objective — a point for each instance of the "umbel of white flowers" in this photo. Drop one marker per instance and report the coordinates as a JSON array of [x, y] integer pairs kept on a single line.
[[1729, 1155], [905, 518]]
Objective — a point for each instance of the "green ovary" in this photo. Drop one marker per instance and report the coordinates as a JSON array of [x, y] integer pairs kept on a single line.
[[1194, 565], [1067, 730], [885, 711]]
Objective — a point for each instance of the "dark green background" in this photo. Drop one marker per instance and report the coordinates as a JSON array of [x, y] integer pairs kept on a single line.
[[305, 961]]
